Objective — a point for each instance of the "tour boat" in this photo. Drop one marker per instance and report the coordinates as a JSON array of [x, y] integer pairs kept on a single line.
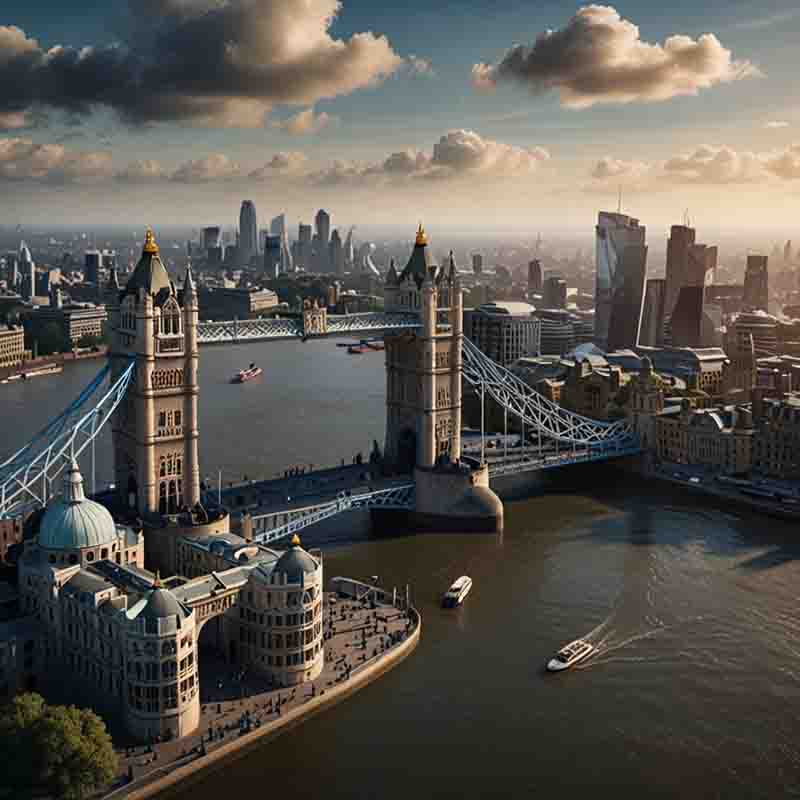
[[247, 374], [569, 655], [455, 595], [357, 349]]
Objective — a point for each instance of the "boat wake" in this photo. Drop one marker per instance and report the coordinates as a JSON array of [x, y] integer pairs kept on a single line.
[[609, 644]]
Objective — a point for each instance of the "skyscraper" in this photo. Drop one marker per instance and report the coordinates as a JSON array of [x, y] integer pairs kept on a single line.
[[535, 276], [210, 238], [323, 234], [248, 232], [91, 266], [477, 263], [688, 264], [272, 256], [650, 332], [621, 263], [554, 292], [303, 254], [756, 284], [336, 253], [27, 271], [277, 227]]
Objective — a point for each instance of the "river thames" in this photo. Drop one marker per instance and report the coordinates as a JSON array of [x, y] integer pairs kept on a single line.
[[694, 691]]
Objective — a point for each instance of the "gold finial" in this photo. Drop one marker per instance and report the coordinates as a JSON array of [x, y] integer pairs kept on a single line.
[[422, 239], [150, 245], [295, 541], [157, 581]]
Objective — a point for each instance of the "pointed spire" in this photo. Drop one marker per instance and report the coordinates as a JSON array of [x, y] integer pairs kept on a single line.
[[157, 581], [295, 541], [188, 281], [73, 484], [421, 239], [391, 275]]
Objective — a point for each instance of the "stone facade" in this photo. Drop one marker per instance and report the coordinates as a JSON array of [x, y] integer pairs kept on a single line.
[[776, 448], [12, 346]]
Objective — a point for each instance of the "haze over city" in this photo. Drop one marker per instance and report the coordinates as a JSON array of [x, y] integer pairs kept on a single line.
[[519, 116]]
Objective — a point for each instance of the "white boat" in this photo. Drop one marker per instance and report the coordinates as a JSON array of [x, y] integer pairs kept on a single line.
[[569, 655], [455, 595], [246, 374]]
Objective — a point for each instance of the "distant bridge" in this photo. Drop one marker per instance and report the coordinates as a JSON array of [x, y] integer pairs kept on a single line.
[[256, 330]]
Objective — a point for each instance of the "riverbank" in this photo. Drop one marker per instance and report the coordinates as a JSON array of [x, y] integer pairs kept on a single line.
[[709, 488], [56, 359], [365, 642]]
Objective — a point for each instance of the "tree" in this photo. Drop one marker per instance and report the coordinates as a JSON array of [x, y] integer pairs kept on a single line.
[[55, 751], [52, 339]]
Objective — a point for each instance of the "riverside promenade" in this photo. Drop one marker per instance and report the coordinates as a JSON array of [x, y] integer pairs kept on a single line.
[[365, 635]]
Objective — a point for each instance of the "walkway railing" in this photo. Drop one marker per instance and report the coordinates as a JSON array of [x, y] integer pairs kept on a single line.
[[400, 497]]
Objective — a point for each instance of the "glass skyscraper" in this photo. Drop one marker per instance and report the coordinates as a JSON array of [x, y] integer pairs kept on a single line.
[[248, 231], [621, 272]]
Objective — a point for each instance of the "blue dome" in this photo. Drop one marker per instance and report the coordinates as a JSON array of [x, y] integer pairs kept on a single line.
[[72, 522]]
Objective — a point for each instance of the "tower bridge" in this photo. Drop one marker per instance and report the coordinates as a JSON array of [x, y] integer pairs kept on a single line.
[[153, 395]]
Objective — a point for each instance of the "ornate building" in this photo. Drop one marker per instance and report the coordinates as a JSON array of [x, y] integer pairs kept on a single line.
[[424, 399], [155, 429]]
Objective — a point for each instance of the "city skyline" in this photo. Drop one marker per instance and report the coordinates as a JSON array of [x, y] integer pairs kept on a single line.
[[677, 109]]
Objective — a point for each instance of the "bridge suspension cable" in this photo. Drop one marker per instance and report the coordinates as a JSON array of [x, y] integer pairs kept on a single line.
[[536, 410], [26, 476]]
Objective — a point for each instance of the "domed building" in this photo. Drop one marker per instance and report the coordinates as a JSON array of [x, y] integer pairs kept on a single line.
[[280, 621], [77, 531]]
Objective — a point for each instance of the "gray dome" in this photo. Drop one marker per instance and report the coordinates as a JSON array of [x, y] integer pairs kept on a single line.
[[162, 603], [296, 562], [73, 522]]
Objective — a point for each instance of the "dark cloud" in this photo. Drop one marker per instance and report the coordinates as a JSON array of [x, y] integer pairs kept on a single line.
[[197, 61], [598, 57]]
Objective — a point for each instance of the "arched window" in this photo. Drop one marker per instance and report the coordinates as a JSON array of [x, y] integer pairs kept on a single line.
[[162, 497], [90, 555], [104, 553]]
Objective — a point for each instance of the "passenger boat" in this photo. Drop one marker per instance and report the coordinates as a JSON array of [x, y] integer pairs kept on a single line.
[[247, 374], [569, 655], [456, 594], [357, 349]]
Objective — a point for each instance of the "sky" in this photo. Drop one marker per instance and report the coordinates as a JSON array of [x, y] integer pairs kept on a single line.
[[505, 114]]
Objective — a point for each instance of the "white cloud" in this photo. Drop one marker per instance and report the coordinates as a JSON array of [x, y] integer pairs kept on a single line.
[[280, 163], [215, 167], [599, 57], [142, 171], [776, 124], [23, 160], [304, 122]]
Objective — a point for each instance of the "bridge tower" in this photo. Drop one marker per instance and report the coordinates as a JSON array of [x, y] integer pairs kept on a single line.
[[155, 428], [424, 398]]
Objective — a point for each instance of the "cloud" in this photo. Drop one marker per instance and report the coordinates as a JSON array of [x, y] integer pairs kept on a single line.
[[280, 163], [707, 164], [598, 57], [142, 171], [776, 124], [715, 165], [198, 61], [23, 160], [785, 164], [417, 65], [215, 167], [459, 153], [304, 122]]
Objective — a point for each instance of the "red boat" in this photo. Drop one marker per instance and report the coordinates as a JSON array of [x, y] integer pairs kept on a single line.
[[247, 374], [357, 349]]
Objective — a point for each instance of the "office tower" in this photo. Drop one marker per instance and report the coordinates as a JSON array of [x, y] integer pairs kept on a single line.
[[91, 266], [477, 263], [756, 284], [688, 264], [535, 276], [323, 234], [277, 226], [650, 333], [108, 259], [27, 271], [272, 256], [12, 272], [210, 238], [248, 232], [336, 253], [554, 293], [304, 240], [621, 263], [349, 251]]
